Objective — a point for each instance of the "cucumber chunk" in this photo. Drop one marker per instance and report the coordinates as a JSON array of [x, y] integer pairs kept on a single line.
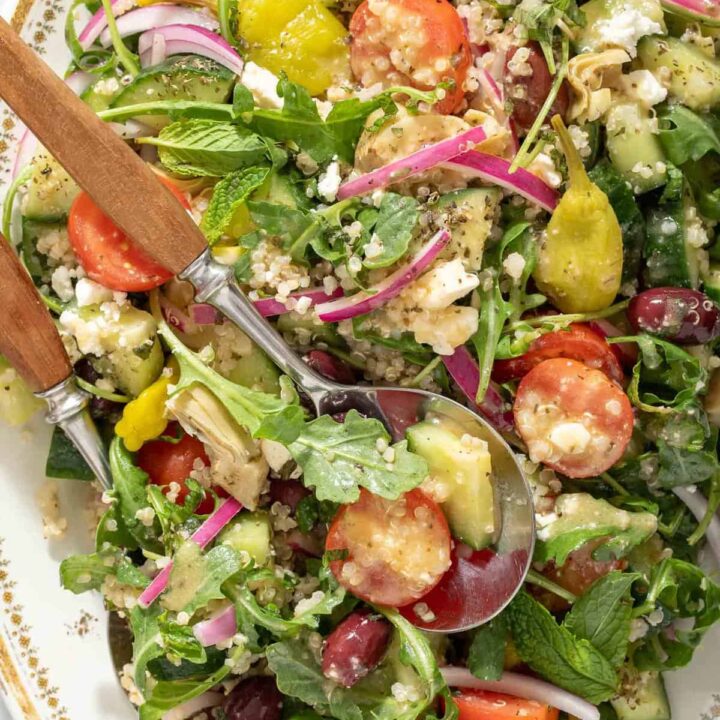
[[250, 533], [257, 372], [466, 469], [692, 77], [471, 214], [101, 94], [649, 700], [50, 190], [182, 77], [634, 146]]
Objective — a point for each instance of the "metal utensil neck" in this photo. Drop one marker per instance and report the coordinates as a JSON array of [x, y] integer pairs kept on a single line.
[[67, 408]]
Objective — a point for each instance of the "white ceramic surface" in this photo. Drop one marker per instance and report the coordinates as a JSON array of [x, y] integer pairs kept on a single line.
[[49, 670]]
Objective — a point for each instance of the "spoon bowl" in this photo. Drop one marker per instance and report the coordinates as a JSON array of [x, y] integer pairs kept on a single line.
[[478, 585]]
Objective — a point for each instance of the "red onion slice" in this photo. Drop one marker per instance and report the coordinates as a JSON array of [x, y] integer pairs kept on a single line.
[[153, 16], [496, 170], [207, 532], [413, 164], [525, 687], [98, 22], [365, 301], [218, 628], [204, 314], [697, 504], [706, 12], [181, 39], [269, 307], [26, 150], [464, 371]]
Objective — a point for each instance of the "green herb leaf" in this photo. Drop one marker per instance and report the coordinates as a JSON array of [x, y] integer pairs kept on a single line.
[[181, 641], [394, 228], [280, 221], [207, 148], [64, 461], [228, 195], [80, 573], [145, 626], [685, 135], [486, 657], [555, 653], [339, 458], [603, 615]]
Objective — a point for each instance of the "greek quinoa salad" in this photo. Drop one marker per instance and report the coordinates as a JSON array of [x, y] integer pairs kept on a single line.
[[514, 204]]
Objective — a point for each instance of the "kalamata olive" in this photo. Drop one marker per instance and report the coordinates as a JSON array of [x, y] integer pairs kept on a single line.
[[256, 698], [355, 647], [288, 492], [330, 367], [85, 370], [528, 92], [682, 316], [99, 407]]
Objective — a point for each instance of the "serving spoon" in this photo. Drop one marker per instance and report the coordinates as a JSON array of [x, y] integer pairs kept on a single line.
[[30, 340], [479, 585]]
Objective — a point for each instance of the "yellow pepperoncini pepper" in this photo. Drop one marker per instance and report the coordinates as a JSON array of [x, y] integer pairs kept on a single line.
[[301, 38], [144, 417], [580, 260]]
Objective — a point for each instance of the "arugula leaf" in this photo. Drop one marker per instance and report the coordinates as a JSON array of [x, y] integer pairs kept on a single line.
[[666, 377], [145, 626], [166, 695], [603, 615], [197, 577], [207, 148], [80, 573], [264, 415], [411, 349], [163, 669], [339, 458], [130, 489], [486, 658], [229, 194], [553, 652], [299, 122], [682, 591], [683, 466], [685, 135], [180, 640], [394, 228]]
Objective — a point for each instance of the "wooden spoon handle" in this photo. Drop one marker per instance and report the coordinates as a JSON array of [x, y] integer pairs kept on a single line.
[[28, 337], [119, 182]]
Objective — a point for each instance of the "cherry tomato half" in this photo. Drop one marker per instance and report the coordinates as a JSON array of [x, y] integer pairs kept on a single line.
[[486, 705], [107, 255], [167, 462], [411, 42], [529, 90], [397, 550], [572, 418], [578, 342]]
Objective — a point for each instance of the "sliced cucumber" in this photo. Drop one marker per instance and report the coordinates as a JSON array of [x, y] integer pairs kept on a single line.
[[251, 533], [257, 372], [671, 258], [632, 222], [634, 147], [50, 190], [593, 36], [134, 370], [471, 214], [466, 469], [101, 94], [183, 77], [649, 700], [691, 76]]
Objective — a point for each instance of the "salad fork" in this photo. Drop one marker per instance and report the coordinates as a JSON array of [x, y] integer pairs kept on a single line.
[[30, 340], [128, 192]]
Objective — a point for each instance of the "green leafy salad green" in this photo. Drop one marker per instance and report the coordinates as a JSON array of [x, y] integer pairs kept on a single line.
[[513, 204]]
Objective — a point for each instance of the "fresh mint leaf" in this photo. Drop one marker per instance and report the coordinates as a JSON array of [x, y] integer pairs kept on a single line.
[[64, 461], [242, 100], [207, 148], [683, 592], [685, 135], [278, 220], [553, 652], [339, 458], [486, 658], [228, 195], [394, 226], [603, 615], [130, 489]]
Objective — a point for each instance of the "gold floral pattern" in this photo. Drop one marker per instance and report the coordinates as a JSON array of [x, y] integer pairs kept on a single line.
[[20, 633]]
